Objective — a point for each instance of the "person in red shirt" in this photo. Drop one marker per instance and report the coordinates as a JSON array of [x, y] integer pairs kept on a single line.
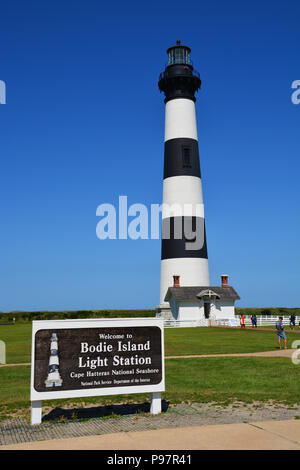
[[243, 321]]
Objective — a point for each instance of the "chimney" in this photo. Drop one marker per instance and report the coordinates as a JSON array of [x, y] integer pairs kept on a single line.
[[176, 282], [224, 279]]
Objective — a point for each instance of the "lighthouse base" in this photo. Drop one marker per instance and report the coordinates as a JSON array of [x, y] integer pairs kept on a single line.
[[53, 380], [163, 311]]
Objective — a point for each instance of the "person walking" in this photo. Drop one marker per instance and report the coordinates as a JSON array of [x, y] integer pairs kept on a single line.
[[280, 332], [242, 322], [292, 321], [254, 321]]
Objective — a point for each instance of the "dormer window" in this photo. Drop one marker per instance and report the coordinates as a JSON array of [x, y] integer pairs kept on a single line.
[[208, 294]]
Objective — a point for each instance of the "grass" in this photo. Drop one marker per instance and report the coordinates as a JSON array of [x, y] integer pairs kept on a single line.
[[18, 342], [233, 379], [194, 341], [217, 380], [178, 341]]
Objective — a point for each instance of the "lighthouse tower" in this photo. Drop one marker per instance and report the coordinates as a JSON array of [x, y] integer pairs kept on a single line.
[[53, 379], [184, 251]]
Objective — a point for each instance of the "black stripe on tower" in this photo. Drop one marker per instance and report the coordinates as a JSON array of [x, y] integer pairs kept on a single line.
[[179, 81], [181, 158], [183, 237]]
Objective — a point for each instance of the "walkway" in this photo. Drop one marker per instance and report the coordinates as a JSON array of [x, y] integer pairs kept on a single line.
[[267, 435], [275, 353], [134, 419]]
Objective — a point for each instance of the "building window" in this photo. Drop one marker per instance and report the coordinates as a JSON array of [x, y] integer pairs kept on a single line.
[[186, 157]]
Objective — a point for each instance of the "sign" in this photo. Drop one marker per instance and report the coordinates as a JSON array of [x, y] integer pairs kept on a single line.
[[81, 358]]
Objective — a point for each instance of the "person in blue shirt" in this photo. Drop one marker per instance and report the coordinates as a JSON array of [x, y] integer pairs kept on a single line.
[[280, 332], [254, 320], [292, 321]]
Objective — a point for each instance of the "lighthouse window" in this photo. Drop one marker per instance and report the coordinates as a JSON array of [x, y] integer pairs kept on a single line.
[[179, 58], [186, 157]]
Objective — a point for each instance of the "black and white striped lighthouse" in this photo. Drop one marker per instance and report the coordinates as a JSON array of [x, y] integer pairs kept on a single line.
[[184, 250], [53, 379]]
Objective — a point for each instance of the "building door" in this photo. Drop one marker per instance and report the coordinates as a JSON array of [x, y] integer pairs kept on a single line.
[[206, 309]]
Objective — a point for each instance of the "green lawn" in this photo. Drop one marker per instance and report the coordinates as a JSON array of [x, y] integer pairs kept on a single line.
[[178, 341], [200, 380], [229, 379], [186, 341], [219, 380], [18, 342]]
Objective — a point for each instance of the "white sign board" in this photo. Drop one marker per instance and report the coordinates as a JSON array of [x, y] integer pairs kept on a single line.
[[82, 358]]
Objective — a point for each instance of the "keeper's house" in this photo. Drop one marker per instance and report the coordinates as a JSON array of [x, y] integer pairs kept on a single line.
[[198, 303]]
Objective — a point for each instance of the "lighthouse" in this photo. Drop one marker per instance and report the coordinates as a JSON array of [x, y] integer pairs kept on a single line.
[[184, 248], [53, 379]]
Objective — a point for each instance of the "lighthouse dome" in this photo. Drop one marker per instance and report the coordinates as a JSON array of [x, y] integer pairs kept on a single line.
[[179, 79], [179, 54]]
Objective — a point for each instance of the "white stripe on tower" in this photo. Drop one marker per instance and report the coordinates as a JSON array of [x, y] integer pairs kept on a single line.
[[182, 187], [180, 119]]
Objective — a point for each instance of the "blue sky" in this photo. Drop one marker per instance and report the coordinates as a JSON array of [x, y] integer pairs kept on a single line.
[[84, 123]]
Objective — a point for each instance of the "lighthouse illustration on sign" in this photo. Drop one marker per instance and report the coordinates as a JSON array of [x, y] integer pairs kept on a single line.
[[53, 379], [182, 187]]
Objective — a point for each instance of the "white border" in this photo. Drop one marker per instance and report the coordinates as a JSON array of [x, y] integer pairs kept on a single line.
[[94, 323]]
